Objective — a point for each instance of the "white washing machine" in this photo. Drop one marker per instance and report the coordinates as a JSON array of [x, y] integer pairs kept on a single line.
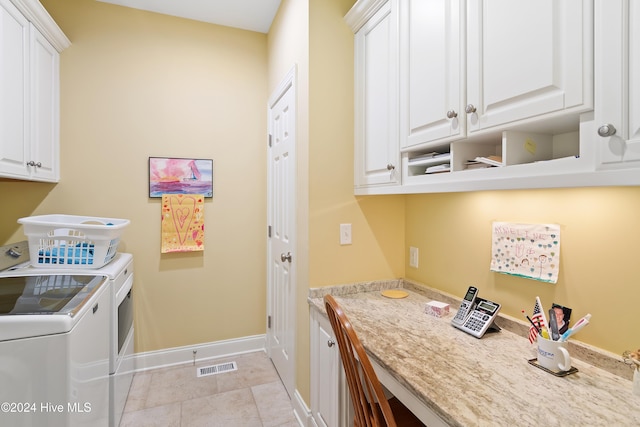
[[118, 338], [54, 350]]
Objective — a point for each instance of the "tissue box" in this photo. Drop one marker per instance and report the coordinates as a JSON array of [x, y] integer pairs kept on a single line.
[[436, 308]]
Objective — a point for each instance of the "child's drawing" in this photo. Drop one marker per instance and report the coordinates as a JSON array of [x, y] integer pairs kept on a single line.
[[526, 250]]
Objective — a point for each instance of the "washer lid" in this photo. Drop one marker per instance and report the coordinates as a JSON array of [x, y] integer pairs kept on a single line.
[[43, 305]]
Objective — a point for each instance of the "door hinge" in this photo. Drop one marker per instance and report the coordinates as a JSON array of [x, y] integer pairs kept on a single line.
[[269, 322], [269, 230], [270, 143]]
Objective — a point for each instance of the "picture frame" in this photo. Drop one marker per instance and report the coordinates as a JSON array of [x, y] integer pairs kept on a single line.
[[178, 175]]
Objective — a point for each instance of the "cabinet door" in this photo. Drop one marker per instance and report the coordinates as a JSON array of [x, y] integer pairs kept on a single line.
[[14, 131], [45, 108], [430, 74], [527, 58], [325, 373], [617, 87], [377, 153]]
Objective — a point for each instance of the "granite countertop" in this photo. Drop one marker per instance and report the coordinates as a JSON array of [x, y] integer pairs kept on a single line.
[[477, 382]]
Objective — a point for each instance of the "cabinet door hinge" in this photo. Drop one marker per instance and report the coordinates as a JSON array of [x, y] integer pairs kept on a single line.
[[269, 231], [270, 143], [269, 322]]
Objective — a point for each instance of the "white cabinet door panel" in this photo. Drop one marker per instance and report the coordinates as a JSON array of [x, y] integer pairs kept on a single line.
[[526, 58], [430, 71]]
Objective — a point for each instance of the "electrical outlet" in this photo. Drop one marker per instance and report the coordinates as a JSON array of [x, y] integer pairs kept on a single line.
[[413, 257], [345, 234]]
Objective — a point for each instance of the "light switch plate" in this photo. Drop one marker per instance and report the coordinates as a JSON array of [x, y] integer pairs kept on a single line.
[[413, 257], [345, 234]]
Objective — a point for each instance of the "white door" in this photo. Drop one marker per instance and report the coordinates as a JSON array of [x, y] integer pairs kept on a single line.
[[281, 216]]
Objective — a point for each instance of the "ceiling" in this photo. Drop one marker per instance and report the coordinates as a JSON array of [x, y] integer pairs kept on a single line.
[[253, 15]]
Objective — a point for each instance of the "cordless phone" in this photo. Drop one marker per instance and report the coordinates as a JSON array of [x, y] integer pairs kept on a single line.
[[467, 305], [481, 318]]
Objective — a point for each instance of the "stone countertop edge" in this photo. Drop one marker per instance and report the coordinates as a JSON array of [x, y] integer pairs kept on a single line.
[[594, 356]]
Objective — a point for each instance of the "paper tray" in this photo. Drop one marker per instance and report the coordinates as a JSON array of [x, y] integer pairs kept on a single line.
[[534, 362]]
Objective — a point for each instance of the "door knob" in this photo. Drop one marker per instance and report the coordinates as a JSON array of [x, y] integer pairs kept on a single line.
[[285, 257], [331, 343], [451, 114], [390, 167], [470, 109]]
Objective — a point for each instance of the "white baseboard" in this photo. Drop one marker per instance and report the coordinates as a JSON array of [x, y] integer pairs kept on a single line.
[[301, 410], [214, 350]]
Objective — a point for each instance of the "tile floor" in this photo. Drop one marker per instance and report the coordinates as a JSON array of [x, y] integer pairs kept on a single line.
[[251, 396]]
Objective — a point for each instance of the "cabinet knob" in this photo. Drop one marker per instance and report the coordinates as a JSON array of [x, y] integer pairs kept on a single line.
[[451, 114], [390, 167], [32, 163], [331, 343], [607, 130], [470, 109]]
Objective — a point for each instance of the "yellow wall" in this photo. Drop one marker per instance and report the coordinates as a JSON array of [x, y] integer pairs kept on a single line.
[[598, 253], [377, 222], [136, 84]]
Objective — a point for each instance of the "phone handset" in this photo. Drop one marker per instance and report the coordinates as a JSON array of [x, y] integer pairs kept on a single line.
[[466, 306]]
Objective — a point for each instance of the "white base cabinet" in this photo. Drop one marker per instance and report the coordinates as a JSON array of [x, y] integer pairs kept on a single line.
[[329, 394], [29, 91]]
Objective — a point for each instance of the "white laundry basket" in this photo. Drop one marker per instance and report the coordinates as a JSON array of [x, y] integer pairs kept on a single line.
[[71, 241]]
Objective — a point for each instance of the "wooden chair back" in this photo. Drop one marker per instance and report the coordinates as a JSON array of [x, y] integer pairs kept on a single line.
[[371, 408]]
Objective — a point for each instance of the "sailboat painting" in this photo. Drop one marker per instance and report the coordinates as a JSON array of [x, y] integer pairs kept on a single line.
[[180, 176]]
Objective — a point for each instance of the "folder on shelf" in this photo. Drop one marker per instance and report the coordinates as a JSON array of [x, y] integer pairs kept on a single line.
[[490, 160]]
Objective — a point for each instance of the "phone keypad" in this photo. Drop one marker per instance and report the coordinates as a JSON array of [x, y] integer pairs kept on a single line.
[[476, 321]]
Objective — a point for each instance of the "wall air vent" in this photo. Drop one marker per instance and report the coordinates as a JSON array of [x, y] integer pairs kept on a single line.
[[217, 369]]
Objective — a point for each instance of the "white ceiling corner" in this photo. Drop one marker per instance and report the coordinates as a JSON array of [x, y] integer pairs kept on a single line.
[[252, 15]]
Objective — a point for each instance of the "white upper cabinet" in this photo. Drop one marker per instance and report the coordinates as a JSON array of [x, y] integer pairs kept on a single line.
[[30, 43], [431, 90], [527, 59], [377, 155], [617, 90]]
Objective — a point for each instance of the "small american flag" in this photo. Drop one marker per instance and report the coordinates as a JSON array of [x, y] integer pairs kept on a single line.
[[538, 319]]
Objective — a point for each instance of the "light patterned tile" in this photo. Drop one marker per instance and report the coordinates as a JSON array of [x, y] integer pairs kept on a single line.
[[179, 384], [273, 404], [160, 416], [138, 392], [253, 369], [232, 408]]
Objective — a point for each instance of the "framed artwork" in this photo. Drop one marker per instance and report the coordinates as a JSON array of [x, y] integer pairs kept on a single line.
[[168, 175]]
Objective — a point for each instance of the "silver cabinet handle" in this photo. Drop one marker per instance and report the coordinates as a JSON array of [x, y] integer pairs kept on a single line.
[[285, 257], [470, 109], [331, 343], [32, 163], [451, 114], [606, 130], [390, 167]]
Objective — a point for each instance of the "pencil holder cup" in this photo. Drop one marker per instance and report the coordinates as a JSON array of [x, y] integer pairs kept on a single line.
[[553, 355]]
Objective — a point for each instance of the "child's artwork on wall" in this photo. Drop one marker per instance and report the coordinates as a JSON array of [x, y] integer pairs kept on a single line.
[[180, 176], [182, 223], [526, 250]]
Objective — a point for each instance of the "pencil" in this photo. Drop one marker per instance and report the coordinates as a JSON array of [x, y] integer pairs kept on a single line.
[[531, 321]]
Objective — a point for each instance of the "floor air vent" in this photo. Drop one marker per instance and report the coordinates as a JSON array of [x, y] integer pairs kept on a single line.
[[217, 369]]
